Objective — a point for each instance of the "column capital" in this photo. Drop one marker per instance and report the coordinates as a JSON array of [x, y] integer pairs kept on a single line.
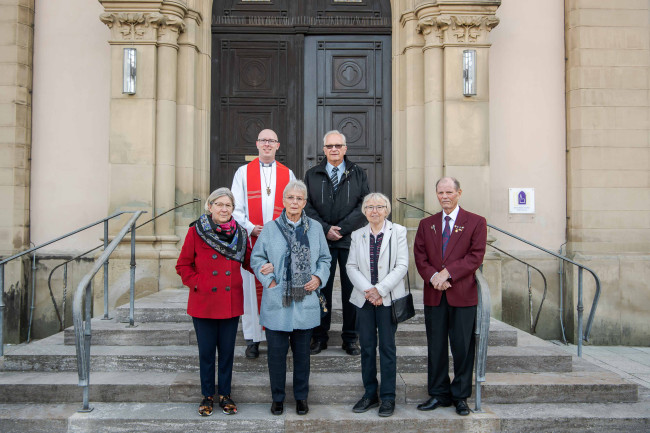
[[132, 26], [169, 28], [447, 29]]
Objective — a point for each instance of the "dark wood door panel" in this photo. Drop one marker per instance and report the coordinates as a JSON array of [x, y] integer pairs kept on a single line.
[[253, 88], [350, 91]]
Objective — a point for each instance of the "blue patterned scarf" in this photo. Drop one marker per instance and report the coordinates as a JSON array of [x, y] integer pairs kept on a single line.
[[298, 261], [231, 244]]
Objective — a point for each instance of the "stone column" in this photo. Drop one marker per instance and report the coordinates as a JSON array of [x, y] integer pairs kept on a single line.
[[433, 107], [186, 116], [412, 70], [466, 118], [169, 27], [16, 50]]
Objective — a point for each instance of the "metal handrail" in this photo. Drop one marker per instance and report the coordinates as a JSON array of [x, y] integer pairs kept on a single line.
[[15, 256], [65, 263], [533, 324], [82, 328], [482, 333], [581, 335]]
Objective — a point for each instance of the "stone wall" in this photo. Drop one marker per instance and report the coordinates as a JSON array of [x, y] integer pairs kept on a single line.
[[608, 78], [16, 51]]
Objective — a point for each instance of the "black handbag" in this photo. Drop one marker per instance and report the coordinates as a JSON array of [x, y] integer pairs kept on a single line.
[[402, 309]]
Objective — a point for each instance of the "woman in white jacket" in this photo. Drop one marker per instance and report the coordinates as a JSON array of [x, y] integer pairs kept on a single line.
[[377, 264]]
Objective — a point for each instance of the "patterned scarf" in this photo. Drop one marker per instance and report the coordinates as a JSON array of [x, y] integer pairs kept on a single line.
[[229, 239], [298, 262]]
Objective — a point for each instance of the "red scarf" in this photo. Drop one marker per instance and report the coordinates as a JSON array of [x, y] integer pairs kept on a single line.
[[254, 185]]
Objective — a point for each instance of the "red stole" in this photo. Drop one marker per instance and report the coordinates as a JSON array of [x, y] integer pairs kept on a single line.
[[255, 214], [254, 186]]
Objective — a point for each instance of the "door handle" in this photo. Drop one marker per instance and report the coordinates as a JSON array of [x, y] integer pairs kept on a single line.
[[311, 160]]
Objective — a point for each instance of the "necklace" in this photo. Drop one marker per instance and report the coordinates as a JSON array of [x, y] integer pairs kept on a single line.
[[267, 183]]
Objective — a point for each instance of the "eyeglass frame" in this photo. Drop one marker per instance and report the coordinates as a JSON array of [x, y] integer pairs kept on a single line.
[[377, 208], [291, 198], [267, 140], [334, 146]]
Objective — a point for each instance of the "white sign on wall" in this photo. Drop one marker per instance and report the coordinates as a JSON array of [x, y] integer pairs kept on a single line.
[[522, 200]]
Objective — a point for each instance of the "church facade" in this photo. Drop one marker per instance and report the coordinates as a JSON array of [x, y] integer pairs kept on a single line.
[[540, 109]]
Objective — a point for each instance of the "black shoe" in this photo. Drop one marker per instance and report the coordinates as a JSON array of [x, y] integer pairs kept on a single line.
[[351, 349], [433, 403], [461, 408], [365, 404], [301, 407], [317, 346], [253, 350], [277, 407], [387, 408]]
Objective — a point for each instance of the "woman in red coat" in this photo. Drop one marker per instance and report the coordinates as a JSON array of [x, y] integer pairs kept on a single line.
[[209, 264]]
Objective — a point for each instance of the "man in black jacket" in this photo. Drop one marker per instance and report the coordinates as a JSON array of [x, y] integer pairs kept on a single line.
[[336, 188]]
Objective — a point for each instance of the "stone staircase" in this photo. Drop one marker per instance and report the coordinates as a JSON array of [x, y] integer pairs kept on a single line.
[[145, 379]]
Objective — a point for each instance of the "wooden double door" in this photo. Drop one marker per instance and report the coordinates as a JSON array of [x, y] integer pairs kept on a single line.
[[301, 85]]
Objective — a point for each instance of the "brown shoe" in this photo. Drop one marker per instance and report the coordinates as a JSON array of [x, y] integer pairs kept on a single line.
[[227, 405], [205, 408]]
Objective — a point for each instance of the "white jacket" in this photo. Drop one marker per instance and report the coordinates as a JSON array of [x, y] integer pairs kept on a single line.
[[390, 275]]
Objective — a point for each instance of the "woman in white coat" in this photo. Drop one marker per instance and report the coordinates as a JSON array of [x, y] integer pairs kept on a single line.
[[377, 265]]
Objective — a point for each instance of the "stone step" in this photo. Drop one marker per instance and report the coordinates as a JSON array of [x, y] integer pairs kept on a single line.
[[152, 387], [51, 354], [114, 333], [170, 305], [183, 418]]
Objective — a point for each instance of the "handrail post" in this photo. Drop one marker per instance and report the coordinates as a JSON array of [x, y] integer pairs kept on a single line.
[[132, 281], [105, 273], [482, 333], [530, 298], [580, 310], [2, 308], [31, 305], [87, 336]]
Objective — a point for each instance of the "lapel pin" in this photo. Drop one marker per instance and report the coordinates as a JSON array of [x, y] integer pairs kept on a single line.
[[433, 227]]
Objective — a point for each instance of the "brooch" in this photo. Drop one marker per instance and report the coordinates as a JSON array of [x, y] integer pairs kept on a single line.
[[433, 227], [458, 229]]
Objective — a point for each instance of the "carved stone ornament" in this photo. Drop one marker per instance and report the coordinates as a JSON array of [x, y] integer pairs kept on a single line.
[[459, 29], [169, 27], [131, 26]]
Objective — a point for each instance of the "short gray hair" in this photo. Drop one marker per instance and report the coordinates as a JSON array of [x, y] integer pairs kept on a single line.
[[379, 197], [295, 184], [334, 131], [453, 179], [217, 193]]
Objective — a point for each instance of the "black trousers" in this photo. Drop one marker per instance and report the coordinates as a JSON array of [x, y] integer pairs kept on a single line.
[[278, 346], [348, 335], [371, 321], [219, 335], [455, 324]]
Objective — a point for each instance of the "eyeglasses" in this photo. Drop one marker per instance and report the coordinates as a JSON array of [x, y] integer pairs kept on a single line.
[[334, 146], [222, 205], [377, 208], [267, 141], [294, 198]]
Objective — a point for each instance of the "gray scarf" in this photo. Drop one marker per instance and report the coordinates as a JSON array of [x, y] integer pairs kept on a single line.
[[298, 261]]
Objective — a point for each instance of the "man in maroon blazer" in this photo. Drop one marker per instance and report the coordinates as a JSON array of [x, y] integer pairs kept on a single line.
[[449, 248]]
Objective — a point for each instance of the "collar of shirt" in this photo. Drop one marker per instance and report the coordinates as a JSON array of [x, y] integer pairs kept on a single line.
[[270, 164], [294, 224], [329, 167], [383, 228], [453, 215]]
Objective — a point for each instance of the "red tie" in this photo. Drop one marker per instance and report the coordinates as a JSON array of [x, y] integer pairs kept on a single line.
[[446, 234]]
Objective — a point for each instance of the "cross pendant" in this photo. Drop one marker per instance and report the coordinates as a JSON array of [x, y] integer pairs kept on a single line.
[[268, 190]]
